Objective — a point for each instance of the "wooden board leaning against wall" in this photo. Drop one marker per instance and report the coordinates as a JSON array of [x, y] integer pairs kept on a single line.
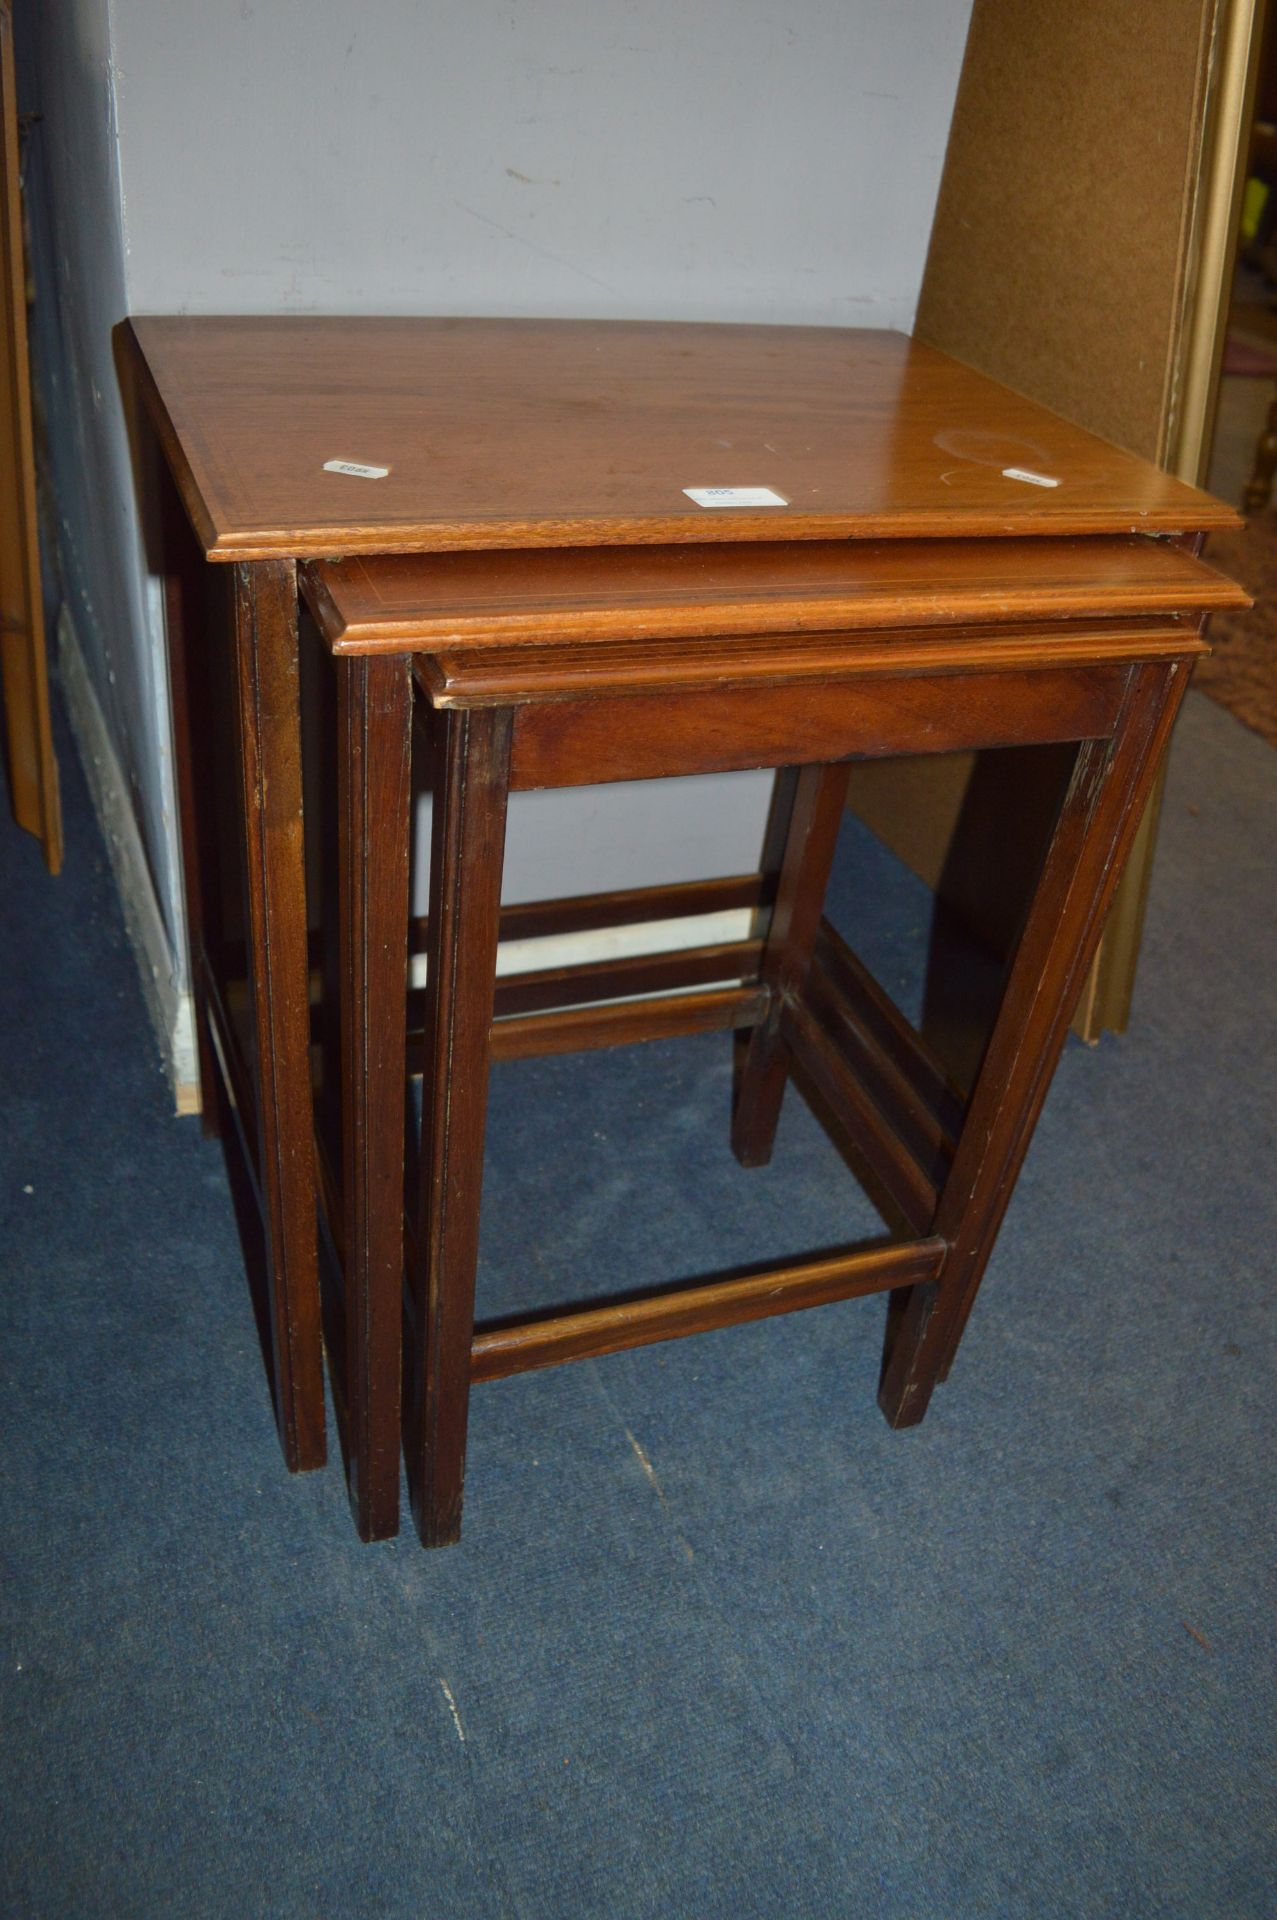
[[1081, 252], [30, 766]]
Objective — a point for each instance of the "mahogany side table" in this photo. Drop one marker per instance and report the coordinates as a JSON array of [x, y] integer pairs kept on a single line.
[[801, 656], [290, 440]]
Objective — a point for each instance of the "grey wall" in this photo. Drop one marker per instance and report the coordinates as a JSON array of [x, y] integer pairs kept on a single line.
[[726, 159], [72, 182], [723, 160]]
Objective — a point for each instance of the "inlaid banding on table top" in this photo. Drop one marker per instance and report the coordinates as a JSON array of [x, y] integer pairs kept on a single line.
[[794, 595], [552, 433], [580, 595]]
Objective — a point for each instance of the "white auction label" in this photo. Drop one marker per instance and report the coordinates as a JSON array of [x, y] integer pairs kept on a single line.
[[1029, 477], [736, 496], [357, 468]]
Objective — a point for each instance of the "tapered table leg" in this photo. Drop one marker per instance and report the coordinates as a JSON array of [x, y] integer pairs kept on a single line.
[[471, 782], [268, 706], [807, 809], [1098, 820], [374, 764]]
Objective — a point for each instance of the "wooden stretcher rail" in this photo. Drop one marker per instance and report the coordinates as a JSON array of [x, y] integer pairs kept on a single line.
[[620, 1023], [234, 1071], [583, 913], [615, 1325], [902, 1110], [893, 1037], [623, 907], [558, 989], [856, 1112], [332, 1262], [630, 975]]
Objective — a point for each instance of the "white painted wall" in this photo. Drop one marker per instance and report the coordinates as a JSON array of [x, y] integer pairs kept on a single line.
[[722, 159], [72, 184], [728, 159]]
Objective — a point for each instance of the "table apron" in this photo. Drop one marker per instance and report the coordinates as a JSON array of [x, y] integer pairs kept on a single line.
[[642, 737]]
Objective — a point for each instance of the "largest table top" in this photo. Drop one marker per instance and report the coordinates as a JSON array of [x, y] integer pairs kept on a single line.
[[535, 433]]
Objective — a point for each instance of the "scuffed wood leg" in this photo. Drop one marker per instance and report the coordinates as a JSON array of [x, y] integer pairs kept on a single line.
[[471, 782], [807, 809], [374, 780], [1098, 820], [268, 707]]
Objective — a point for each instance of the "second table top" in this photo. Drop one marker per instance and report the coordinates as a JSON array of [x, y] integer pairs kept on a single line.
[[571, 596]]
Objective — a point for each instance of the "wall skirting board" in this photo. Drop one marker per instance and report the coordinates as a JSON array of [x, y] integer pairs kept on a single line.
[[168, 1000]]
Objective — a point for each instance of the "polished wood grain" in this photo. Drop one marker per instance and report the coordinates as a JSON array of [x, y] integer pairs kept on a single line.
[[265, 617], [510, 433], [621, 1023], [582, 742], [628, 976], [544, 631], [644, 996], [973, 608], [877, 1030], [1036, 642], [470, 783], [374, 798], [812, 1045], [498, 676], [1097, 822], [581, 912], [627, 906], [875, 1080], [471, 601], [758, 1295], [814, 802]]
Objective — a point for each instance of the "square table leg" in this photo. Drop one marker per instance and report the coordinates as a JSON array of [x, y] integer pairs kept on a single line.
[[1098, 820], [471, 785], [269, 723], [374, 780], [802, 833]]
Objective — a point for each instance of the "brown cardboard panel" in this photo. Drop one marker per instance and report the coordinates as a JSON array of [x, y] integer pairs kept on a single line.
[[1059, 247], [1060, 263]]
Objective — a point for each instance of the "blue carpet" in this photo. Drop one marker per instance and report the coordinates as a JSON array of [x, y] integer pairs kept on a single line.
[[717, 1643]]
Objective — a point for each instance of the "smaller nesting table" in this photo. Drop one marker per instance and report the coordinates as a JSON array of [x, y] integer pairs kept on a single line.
[[574, 667]]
